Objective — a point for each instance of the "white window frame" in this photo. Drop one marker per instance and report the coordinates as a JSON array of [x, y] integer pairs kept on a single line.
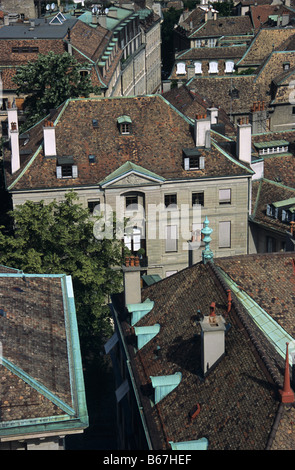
[[229, 66], [180, 68], [198, 67], [213, 66]]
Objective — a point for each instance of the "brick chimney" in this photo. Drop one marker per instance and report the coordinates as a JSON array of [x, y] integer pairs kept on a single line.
[[258, 117], [243, 143], [49, 139], [202, 130], [213, 339], [132, 280], [14, 147]]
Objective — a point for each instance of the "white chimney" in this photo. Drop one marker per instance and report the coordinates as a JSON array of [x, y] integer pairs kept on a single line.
[[12, 116], [14, 147], [202, 130], [49, 139], [213, 112], [243, 143], [213, 339], [132, 281]]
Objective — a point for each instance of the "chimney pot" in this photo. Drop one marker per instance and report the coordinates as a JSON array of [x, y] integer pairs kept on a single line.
[[287, 394]]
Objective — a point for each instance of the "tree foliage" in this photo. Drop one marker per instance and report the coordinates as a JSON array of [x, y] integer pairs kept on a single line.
[[48, 82], [58, 238]]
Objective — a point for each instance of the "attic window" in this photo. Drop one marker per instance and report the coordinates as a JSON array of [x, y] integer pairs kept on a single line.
[[65, 168], [180, 68], [286, 65], [91, 158], [269, 148], [234, 94], [125, 125], [95, 123], [193, 160]]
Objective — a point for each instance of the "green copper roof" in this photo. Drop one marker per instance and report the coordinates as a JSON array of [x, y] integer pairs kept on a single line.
[[284, 203], [164, 384], [272, 143], [200, 444]]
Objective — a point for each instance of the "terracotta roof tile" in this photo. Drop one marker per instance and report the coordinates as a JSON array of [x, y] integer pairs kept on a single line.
[[237, 412]]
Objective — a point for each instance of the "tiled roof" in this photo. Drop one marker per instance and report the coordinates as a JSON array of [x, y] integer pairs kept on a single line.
[[267, 192], [225, 26], [39, 365], [159, 134], [238, 398], [266, 40], [218, 89], [230, 52], [191, 103], [260, 13]]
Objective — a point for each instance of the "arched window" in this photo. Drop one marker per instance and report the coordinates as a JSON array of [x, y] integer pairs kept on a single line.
[[229, 66], [198, 67]]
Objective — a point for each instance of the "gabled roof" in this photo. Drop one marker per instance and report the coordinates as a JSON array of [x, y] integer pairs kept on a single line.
[[42, 385], [225, 26], [236, 404]]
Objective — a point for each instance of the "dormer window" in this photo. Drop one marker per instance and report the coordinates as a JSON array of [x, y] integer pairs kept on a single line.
[[66, 168], [286, 66], [193, 160], [272, 147], [125, 125], [180, 68]]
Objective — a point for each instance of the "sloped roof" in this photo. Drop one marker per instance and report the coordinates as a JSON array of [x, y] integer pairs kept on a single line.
[[159, 134], [267, 192], [237, 400], [42, 385], [224, 26]]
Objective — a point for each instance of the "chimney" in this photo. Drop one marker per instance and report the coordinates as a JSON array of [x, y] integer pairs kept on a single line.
[[14, 146], [287, 394], [132, 280], [49, 139], [202, 130], [213, 339], [244, 144], [102, 20], [213, 113], [258, 117], [12, 116]]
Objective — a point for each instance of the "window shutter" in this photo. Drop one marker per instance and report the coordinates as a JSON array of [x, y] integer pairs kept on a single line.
[[186, 163], [224, 234], [74, 171], [171, 238], [224, 196], [202, 163], [58, 172]]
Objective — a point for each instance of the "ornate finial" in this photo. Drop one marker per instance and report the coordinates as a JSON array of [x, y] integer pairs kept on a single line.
[[207, 254]]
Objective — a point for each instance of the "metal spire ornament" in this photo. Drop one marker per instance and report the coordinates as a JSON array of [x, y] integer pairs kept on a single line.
[[207, 254]]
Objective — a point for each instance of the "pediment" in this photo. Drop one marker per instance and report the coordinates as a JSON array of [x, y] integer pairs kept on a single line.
[[131, 175]]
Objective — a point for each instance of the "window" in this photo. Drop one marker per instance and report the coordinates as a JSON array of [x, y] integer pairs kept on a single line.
[[193, 160], [94, 206], [66, 168], [133, 240], [171, 238], [224, 234], [224, 196], [125, 128], [170, 200], [198, 199], [211, 42], [198, 43], [213, 67], [198, 67], [180, 68], [131, 202], [229, 66], [125, 125]]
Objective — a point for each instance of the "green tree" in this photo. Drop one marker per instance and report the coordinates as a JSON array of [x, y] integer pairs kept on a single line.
[[58, 238], [48, 82]]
